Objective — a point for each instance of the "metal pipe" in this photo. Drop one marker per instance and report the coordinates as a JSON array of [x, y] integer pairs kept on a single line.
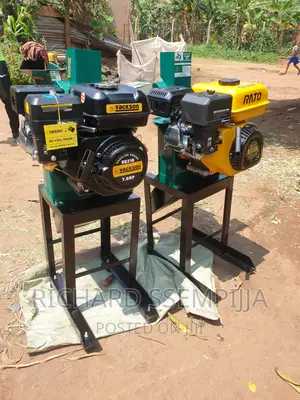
[[238, 140]]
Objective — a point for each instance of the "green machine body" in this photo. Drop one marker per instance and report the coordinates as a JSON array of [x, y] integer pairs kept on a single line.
[[58, 188], [50, 76], [172, 169], [175, 69], [83, 66]]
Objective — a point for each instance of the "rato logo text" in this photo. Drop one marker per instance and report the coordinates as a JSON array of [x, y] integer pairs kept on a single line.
[[252, 98]]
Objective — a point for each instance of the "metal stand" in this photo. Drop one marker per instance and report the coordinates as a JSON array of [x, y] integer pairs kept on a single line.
[[163, 195], [85, 212]]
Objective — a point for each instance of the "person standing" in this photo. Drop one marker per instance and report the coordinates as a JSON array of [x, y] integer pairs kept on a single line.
[[5, 84]]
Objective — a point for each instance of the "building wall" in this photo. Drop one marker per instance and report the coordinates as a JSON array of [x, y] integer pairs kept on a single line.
[[121, 11]]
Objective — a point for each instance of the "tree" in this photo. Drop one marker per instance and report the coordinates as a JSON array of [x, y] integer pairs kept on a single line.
[[284, 12], [222, 20], [216, 9]]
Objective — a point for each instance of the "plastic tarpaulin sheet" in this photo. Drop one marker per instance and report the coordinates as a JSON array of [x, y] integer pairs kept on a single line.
[[110, 310], [145, 65]]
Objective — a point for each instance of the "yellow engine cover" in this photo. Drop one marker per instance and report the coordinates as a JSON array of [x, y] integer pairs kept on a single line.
[[219, 162], [52, 57], [249, 100]]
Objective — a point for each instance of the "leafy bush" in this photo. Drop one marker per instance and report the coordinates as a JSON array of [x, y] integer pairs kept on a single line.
[[13, 59], [262, 41], [22, 27], [17, 28], [227, 40]]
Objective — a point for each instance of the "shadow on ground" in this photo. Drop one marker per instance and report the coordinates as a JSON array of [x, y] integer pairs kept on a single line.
[[9, 141], [281, 124]]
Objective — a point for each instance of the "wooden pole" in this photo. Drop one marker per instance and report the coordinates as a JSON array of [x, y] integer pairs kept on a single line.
[[298, 34], [136, 52], [67, 25], [172, 30]]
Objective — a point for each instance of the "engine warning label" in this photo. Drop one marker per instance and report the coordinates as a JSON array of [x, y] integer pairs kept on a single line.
[[54, 107], [253, 151], [127, 169], [124, 108], [26, 106], [61, 136]]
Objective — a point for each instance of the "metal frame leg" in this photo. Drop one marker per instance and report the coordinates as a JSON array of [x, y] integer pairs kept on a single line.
[[88, 339], [186, 235], [134, 238], [69, 262], [48, 237], [149, 220], [105, 237], [227, 211]]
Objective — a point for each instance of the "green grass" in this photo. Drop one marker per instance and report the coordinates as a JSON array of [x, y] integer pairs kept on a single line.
[[217, 51]]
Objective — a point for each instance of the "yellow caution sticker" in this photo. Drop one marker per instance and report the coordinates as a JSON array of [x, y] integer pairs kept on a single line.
[[124, 108], [61, 136], [56, 106], [69, 67], [127, 169], [26, 105]]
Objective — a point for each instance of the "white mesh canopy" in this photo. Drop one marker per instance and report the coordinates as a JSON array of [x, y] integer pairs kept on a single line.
[[145, 65]]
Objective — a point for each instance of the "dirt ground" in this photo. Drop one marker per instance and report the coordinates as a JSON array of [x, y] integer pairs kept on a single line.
[[251, 342]]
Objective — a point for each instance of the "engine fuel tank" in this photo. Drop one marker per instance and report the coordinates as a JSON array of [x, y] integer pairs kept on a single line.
[[249, 100]]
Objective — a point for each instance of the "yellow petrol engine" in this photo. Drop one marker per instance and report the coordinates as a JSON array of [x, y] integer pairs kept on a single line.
[[239, 144], [204, 130]]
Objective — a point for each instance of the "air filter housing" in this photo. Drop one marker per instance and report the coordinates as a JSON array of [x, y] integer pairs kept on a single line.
[[164, 101], [112, 106]]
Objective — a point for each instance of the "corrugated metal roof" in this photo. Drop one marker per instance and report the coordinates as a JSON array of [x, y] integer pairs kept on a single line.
[[52, 30]]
